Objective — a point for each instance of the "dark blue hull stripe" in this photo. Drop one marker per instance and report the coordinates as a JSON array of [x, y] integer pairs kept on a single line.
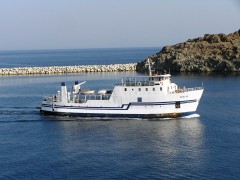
[[169, 115], [123, 107]]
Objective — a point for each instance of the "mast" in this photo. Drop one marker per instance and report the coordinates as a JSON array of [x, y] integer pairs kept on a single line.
[[149, 67]]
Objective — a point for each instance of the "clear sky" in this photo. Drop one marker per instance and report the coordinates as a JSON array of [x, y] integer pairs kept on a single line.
[[74, 24]]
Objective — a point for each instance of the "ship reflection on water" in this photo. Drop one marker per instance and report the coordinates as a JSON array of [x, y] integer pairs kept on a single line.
[[135, 143], [181, 140]]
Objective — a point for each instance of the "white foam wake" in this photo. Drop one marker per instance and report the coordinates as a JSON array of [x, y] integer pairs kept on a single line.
[[191, 116]]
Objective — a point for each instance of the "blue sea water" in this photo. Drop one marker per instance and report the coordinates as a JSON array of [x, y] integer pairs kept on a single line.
[[70, 57], [36, 146]]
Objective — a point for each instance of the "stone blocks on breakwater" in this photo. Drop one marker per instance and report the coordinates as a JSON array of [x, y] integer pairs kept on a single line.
[[67, 69]]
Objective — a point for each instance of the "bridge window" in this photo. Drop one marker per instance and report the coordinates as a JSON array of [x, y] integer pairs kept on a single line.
[[160, 88], [125, 89], [139, 89], [153, 89], [146, 89]]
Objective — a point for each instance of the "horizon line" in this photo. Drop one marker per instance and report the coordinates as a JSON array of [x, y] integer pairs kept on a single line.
[[67, 49]]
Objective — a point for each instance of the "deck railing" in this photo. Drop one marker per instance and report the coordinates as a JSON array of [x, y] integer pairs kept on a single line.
[[181, 90], [137, 83], [78, 98]]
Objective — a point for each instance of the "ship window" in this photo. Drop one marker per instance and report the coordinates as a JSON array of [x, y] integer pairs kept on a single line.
[[160, 88], [125, 89], [177, 104], [153, 89], [146, 89], [139, 99], [139, 89], [132, 89]]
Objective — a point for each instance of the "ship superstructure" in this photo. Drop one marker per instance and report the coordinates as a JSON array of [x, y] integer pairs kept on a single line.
[[142, 96]]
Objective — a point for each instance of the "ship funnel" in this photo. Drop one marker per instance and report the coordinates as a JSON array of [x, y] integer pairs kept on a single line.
[[63, 92]]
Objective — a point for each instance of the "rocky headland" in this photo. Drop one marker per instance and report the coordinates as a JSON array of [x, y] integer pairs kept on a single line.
[[67, 69], [210, 53]]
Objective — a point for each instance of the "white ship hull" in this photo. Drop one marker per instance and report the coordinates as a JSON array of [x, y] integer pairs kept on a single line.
[[126, 103]]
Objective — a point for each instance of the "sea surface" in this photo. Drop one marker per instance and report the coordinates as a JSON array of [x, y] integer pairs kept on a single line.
[[36, 146], [68, 57]]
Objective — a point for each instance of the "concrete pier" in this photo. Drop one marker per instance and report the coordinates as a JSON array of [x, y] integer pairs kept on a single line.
[[67, 69]]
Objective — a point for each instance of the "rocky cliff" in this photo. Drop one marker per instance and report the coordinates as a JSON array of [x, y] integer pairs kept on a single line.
[[212, 52]]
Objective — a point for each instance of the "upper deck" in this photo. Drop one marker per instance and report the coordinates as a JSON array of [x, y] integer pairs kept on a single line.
[[146, 80]]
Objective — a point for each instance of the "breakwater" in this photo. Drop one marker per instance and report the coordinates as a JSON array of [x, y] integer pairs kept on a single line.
[[67, 69]]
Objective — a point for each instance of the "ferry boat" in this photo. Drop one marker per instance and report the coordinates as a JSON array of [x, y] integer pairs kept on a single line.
[[138, 97]]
